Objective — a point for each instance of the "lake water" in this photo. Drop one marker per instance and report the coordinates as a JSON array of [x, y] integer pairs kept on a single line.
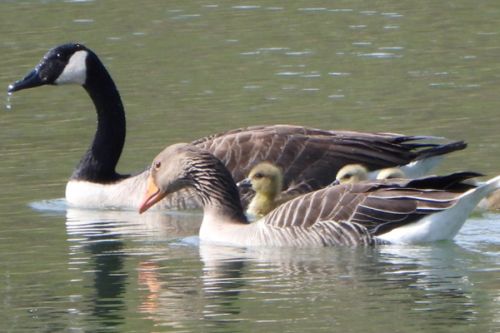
[[190, 68]]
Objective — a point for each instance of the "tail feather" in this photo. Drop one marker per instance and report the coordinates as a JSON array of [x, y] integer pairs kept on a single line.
[[429, 158], [491, 185], [441, 149], [473, 196], [457, 181]]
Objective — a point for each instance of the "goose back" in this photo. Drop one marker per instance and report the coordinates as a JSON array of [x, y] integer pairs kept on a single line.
[[310, 158]]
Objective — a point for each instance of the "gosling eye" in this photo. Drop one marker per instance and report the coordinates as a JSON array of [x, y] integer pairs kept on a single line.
[[157, 165], [258, 175], [347, 176]]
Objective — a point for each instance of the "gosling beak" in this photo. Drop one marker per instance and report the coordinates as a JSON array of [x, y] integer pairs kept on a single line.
[[244, 184], [31, 80], [335, 182], [152, 196]]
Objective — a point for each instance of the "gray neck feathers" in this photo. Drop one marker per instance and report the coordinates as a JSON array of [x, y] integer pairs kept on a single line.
[[216, 188]]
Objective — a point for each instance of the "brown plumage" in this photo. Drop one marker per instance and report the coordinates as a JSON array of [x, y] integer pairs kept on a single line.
[[310, 158]]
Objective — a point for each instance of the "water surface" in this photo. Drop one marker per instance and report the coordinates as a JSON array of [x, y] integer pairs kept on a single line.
[[190, 68]]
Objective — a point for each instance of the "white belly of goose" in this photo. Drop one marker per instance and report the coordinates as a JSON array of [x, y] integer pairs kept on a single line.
[[443, 225], [439, 226], [84, 194]]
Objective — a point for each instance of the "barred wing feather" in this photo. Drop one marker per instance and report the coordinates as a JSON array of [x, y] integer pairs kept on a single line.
[[360, 208]]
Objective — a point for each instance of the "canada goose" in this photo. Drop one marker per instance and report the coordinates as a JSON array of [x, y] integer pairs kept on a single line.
[[406, 211], [266, 180], [308, 157]]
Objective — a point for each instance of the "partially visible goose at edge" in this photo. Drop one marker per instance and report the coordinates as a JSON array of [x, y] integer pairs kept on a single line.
[[309, 158], [406, 211], [492, 202]]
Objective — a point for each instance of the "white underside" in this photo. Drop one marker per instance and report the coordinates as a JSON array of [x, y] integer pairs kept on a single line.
[[440, 226], [443, 225], [217, 231], [125, 194], [421, 168]]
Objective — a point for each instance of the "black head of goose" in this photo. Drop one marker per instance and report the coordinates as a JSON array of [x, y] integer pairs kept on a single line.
[[309, 158], [404, 211], [74, 63]]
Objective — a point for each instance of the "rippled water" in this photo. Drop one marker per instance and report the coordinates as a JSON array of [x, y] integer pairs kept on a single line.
[[191, 68]]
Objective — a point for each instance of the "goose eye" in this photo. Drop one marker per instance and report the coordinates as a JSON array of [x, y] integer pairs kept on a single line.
[[157, 165], [258, 175]]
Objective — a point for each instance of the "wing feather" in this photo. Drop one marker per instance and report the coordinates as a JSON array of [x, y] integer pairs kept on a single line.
[[310, 158], [366, 206]]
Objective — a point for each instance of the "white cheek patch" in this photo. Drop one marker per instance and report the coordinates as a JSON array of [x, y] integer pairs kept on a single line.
[[76, 69]]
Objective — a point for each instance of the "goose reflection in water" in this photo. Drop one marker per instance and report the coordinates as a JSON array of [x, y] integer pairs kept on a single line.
[[101, 237], [159, 225], [181, 281], [233, 281]]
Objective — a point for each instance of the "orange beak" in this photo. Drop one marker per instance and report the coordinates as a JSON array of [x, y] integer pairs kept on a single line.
[[152, 196]]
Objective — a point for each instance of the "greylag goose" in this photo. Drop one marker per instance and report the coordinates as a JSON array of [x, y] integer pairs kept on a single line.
[[405, 211], [310, 158]]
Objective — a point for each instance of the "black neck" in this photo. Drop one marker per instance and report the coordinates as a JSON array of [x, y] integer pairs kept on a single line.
[[98, 164]]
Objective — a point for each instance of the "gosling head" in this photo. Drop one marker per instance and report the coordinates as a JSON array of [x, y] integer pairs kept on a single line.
[[390, 173], [264, 178], [351, 173]]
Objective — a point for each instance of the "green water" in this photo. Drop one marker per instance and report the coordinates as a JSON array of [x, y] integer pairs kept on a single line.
[[190, 68]]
